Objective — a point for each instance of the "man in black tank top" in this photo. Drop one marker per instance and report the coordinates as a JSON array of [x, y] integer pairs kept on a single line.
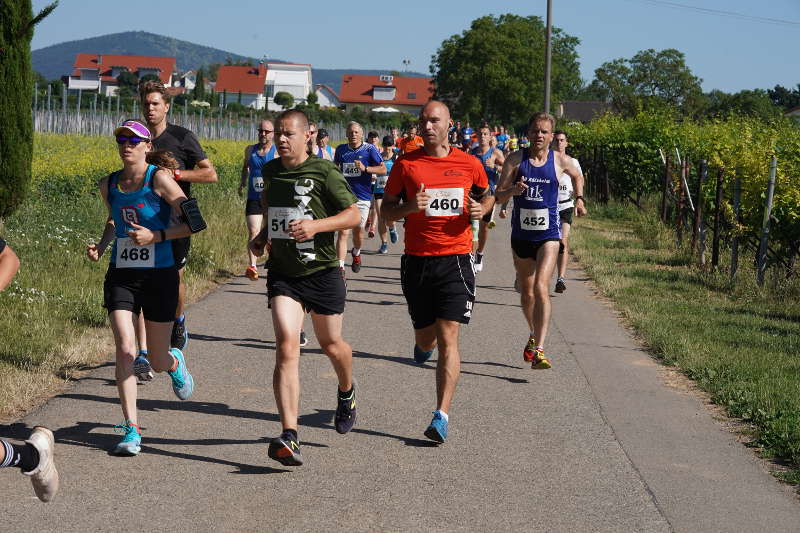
[[194, 167]]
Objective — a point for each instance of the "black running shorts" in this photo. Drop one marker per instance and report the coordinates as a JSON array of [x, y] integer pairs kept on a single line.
[[528, 249], [180, 251], [322, 293], [152, 291], [566, 215], [253, 207], [438, 287]]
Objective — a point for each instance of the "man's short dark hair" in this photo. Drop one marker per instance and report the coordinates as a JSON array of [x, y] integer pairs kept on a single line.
[[296, 114], [561, 132], [153, 86]]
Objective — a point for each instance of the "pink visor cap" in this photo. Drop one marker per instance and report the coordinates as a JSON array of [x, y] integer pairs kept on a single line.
[[135, 127]]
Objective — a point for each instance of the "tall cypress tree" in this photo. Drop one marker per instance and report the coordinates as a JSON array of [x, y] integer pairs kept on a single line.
[[16, 128]]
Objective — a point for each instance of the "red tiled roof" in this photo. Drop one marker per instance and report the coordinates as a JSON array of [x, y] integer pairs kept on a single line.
[[246, 79], [104, 62], [357, 88]]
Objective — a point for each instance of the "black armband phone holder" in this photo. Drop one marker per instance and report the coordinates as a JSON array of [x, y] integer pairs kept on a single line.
[[192, 216]]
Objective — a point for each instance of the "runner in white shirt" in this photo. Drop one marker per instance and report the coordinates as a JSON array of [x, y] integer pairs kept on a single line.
[[566, 206]]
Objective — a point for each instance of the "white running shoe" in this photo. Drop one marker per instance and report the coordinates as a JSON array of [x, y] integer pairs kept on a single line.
[[44, 477]]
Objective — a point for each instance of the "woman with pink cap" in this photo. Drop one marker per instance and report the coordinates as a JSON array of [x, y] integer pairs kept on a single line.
[[142, 276]]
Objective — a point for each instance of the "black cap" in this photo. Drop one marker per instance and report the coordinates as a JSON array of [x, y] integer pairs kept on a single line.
[[322, 132]]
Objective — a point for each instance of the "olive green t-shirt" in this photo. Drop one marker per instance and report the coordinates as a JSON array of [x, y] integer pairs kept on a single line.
[[314, 190]]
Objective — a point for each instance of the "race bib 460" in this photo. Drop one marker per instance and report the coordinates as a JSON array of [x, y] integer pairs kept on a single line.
[[445, 202], [534, 219]]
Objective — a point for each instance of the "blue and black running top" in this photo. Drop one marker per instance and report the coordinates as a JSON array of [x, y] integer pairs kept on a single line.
[[491, 173], [535, 215], [145, 208], [255, 182]]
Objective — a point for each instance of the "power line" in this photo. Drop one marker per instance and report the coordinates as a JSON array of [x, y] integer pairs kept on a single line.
[[722, 12]]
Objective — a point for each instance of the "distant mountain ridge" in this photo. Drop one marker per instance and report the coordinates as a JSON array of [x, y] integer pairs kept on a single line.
[[56, 60]]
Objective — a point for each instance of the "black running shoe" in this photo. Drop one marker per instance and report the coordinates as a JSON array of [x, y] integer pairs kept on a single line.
[[560, 285], [303, 338], [345, 412], [180, 337], [286, 450]]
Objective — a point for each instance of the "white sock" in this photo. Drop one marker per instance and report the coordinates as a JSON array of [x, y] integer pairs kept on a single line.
[[356, 251], [533, 335], [444, 415], [341, 262]]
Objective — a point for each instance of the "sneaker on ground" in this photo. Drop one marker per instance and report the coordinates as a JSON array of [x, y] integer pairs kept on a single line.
[[142, 368], [182, 380], [286, 450], [180, 336], [371, 232], [421, 357], [303, 338], [345, 415], [251, 273], [356, 264], [393, 235], [478, 262], [437, 431], [530, 348], [540, 362], [384, 249], [44, 477], [560, 285], [131, 443], [491, 224]]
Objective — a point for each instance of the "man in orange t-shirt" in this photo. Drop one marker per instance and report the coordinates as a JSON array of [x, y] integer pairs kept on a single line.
[[439, 190], [411, 141]]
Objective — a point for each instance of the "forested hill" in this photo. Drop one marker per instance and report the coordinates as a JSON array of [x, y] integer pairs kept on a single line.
[[57, 60]]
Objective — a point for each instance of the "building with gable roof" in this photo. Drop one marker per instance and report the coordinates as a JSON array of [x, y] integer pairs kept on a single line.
[[99, 72], [259, 85], [385, 93]]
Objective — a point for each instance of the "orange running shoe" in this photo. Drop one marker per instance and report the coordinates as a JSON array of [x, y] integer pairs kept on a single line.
[[540, 362], [251, 273], [530, 348]]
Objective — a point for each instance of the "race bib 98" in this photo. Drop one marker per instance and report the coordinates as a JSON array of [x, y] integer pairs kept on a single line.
[[350, 170], [279, 219], [445, 202], [534, 219], [258, 183], [131, 255]]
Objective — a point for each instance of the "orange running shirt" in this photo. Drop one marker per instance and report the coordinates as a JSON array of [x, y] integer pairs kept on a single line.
[[444, 227], [407, 145]]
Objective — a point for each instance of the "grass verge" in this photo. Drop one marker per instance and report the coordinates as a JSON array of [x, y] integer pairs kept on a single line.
[[51, 317], [739, 342]]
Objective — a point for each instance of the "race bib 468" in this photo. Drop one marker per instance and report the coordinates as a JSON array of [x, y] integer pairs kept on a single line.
[[131, 255]]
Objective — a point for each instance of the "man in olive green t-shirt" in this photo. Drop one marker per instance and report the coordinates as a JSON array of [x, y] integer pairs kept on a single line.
[[305, 201]]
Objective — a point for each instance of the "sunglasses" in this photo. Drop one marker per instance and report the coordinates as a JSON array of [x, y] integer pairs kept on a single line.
[[134, 140]]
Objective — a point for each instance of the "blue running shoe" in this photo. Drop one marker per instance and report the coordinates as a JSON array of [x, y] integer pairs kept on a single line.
[[437, 431], [142, 368], [393, 235], [131, 443], [384, 249], [182, 380], [421, 357]]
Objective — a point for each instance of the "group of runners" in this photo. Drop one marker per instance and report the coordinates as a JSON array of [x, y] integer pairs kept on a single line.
[[303, 204]]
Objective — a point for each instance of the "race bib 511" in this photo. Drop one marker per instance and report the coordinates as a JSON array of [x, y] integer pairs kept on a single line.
[[279, 219]]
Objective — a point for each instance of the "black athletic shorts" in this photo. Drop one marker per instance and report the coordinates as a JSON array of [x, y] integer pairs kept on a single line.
[[253, 207], [565, 215], [180, 251], [322, 292], [528, 249], [438, 287], [152, 291], [377, 195]]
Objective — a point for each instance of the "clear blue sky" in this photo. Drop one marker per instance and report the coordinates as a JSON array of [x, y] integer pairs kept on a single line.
[[728, 52]]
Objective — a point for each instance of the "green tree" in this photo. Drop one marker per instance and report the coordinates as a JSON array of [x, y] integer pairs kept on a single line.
[[785, 98], [283, 99], [199, 91], [127, 83], [312, 100], [650, 80], [495, 70], [16, 129], [753, 103]]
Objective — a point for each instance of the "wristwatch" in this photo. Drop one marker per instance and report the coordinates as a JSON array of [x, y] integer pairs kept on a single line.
[[177, 174], [580, 198]]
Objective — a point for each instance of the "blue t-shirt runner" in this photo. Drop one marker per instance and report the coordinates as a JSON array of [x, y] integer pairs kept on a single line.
[[346, 157], [535, 215], [255, 182], [491, 172]]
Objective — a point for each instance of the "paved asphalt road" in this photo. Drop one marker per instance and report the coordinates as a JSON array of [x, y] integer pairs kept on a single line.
[[598, 443]]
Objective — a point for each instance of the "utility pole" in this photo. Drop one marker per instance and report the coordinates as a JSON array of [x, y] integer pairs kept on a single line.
[[548, 56]]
